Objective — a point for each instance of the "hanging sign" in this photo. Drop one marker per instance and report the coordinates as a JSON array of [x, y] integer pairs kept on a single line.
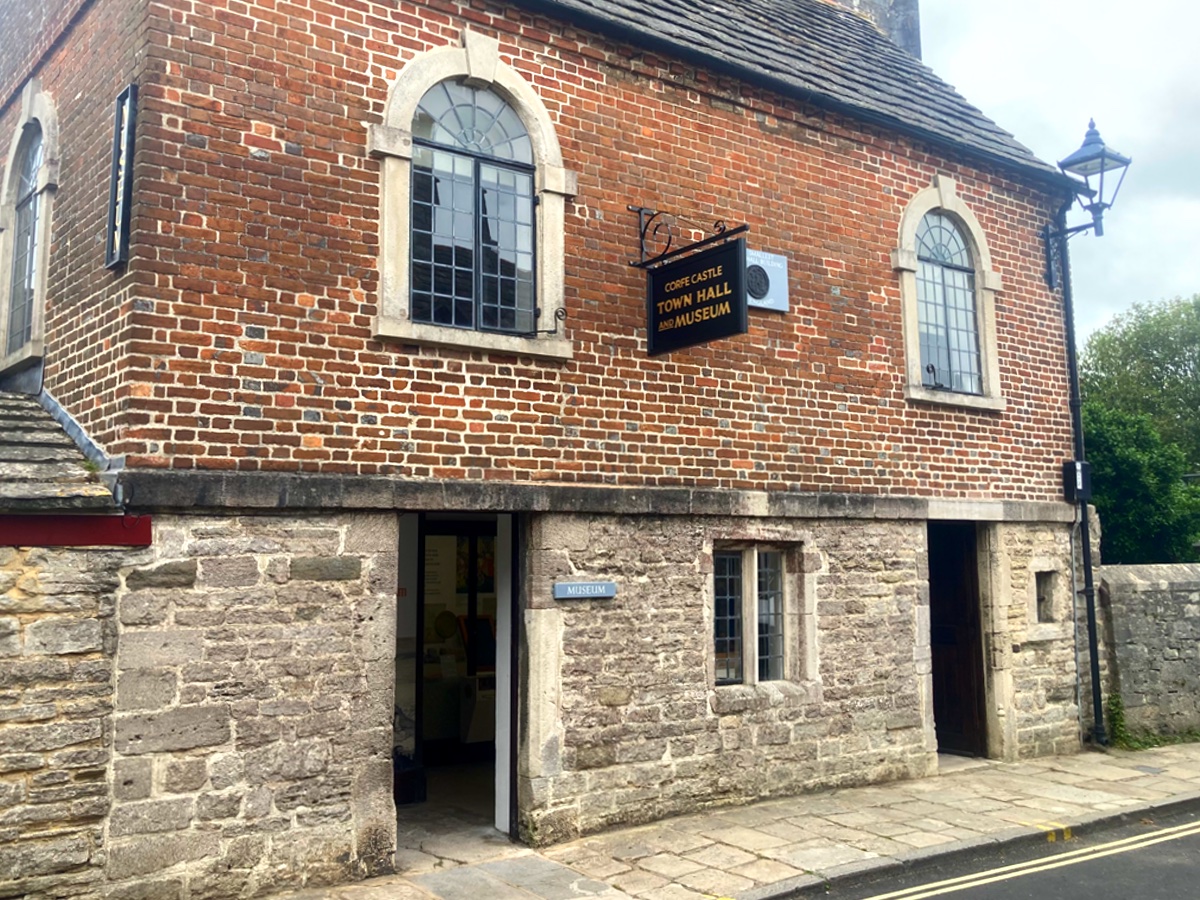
[[696, 299]]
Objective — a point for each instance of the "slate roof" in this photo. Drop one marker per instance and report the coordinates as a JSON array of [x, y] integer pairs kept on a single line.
[[815, 52], [41, 469]]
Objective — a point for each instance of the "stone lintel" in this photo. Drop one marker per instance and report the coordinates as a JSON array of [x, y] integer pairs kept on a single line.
[[168, 491]]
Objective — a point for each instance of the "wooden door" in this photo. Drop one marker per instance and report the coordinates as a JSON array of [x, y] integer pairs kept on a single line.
[[956, 639]]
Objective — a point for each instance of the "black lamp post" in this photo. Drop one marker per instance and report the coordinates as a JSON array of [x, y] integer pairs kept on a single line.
[[1092, 160]]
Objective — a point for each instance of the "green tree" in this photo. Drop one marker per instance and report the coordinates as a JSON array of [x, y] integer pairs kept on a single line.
[[1149, 512], [1147, 362]]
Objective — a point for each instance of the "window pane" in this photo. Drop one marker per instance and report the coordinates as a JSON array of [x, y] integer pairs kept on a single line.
[[770, 615], [443, 222], [946, 308], [23, 278], [474, 216], [473, 119], [727, 616]]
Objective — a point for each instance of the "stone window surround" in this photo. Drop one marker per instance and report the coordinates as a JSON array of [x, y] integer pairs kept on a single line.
[[477, 61], [1059, 626], [36, 106], [942, 196], [800, 681]]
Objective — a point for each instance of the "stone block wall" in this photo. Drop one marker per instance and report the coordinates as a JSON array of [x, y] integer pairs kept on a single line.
[[1155, 623], [634, 728], [252, 732], [1032, 662], [57, 640]]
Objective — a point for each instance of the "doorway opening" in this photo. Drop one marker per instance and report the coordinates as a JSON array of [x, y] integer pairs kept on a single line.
[[956, 639], [452, 731]]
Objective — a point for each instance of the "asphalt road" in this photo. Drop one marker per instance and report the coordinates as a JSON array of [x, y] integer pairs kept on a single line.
[[1146, 859]]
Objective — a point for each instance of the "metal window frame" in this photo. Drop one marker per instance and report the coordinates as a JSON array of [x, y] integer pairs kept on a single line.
[[943, 331], [751, 604], [478, 160], [120, 185]]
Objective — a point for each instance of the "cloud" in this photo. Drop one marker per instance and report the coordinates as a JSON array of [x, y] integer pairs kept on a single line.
[[1041, 70]]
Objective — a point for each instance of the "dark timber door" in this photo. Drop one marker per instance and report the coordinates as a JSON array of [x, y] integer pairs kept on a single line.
[[957, 646]]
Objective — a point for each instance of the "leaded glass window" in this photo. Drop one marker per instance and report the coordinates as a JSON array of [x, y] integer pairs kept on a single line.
[[770, 615], [946, 307], [748, 615], [727, 621], [25, 232], [472, 213]]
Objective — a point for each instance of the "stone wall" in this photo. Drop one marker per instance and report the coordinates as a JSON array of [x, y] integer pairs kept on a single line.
[[1032, 661], [252, 732], [624, 723], [57, 639], [635, 729], [1155, 635]]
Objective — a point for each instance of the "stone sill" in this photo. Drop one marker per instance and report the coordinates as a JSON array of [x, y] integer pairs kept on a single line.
[[29, 354], [1047, 631], [730, 699], [951, 398], [548, 347]]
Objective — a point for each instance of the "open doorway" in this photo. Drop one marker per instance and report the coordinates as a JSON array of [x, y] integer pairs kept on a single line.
[[956, 639], [452, 725]]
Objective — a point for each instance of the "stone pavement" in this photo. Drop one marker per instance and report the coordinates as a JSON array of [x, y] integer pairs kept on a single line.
[[777, 847]]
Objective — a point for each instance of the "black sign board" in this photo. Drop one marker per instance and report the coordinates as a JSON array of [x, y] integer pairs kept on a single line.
[[696, 299]]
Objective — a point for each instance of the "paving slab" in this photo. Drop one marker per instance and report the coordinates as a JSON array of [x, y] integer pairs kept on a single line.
[[768, 850]]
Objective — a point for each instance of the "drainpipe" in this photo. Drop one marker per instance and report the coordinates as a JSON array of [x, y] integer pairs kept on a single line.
[[1099, 734]]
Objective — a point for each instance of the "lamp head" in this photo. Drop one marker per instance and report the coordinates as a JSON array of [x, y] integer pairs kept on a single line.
[[1092, 160]]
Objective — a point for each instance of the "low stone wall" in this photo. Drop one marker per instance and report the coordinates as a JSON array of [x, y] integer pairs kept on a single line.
[[57, 640], [1155, 620]]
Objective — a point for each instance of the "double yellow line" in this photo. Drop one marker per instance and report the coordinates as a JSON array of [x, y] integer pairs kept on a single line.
[[1070, 858]]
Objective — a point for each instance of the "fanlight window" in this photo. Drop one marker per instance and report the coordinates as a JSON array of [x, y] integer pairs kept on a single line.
[[946, 307], [473, 241]]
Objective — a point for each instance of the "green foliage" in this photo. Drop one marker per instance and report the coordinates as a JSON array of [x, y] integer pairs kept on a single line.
[[1149, 513], [1147, 362], [1123, 738]]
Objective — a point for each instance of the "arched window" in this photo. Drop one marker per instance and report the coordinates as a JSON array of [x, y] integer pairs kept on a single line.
[[948, 291], [26, 203], [24, 273], [946, 307], [473, 204], [472, 213]]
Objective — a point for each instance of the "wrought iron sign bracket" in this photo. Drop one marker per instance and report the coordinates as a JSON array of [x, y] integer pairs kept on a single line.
[[560, 315], [659, 228]]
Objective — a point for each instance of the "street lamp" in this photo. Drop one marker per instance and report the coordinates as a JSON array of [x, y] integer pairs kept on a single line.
[[1092, 160]]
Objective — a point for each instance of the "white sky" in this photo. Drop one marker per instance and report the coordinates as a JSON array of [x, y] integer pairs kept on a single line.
[[1041, 68]]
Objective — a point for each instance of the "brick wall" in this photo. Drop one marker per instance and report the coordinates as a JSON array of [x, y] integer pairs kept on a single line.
[[88, 306], [30, 29], [256, 249]]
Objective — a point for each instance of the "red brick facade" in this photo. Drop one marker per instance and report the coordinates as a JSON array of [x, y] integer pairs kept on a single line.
[[240, 335]]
